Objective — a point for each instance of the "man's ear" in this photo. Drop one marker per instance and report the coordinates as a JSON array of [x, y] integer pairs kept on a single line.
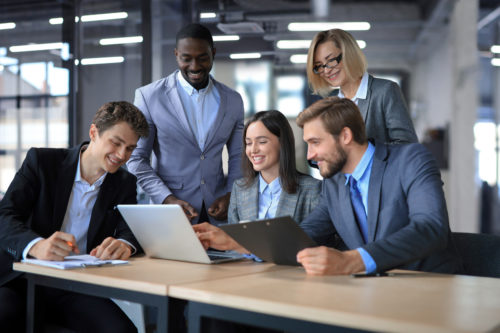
[[93, 132], [346, 135]]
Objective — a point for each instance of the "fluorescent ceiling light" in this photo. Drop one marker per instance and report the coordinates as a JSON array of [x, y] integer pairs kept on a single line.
[[104, 17], [245, 55], [495, 61], [320, 26], [495, 48], [361, 43], [7, 25], [104, 60], [35, 47], [293, 44], [121, 40], [92, 18], [298, 58], [226, 38], [208, 15]]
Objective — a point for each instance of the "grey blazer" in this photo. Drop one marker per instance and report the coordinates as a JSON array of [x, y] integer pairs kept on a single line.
[[244, 204], [170, 161], [407, 217], [385, 112]]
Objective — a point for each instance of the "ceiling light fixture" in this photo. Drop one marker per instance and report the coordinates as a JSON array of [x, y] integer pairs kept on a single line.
[[495, 61], [208, 15], [93, 18], [320, 26], [35, 47], [293, 44], [121, 40], [298, 58], [226, 38], [103, 60], [7, 25], [245, 55], [495, 49]]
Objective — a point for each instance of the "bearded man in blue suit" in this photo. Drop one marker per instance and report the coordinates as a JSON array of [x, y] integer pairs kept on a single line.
[[191, 118], [385, 202]]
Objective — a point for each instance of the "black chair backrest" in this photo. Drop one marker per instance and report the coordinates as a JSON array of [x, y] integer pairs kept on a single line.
[[480, 253]]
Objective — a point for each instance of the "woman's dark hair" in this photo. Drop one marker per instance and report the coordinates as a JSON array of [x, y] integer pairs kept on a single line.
[[277, 124]]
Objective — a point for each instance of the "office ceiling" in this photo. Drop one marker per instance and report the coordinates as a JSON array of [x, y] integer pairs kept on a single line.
[[399, 28]]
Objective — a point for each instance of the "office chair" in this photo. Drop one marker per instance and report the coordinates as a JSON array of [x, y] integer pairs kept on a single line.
[[480, 253]]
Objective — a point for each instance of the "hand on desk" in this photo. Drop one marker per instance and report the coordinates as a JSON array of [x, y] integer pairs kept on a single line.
[[323, 260], [211, 236], [218, 209], [112, 249], [56, 247], [188, 209]]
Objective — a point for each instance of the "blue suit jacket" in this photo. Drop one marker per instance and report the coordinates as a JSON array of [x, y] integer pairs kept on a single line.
[[244, 204], [178, 166], [407, 217]]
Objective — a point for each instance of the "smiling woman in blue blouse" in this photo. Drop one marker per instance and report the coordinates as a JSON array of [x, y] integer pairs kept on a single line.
[[271, 185]]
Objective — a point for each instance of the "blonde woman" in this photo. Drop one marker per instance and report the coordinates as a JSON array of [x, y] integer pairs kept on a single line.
[[334, 61]]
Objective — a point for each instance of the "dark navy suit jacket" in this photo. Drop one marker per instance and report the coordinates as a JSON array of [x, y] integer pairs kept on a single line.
[[407, 215]]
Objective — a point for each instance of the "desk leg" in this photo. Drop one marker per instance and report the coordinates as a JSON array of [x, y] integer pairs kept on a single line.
[[162, 316], [30, 306]]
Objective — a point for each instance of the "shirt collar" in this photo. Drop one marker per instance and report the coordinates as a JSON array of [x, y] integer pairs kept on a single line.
[[362, 89], [78, 176], [362, 166], [274, 186], [190, 89]]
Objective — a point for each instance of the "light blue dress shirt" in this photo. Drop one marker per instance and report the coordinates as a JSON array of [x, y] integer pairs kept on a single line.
[[362, 91], [269, 196], [201, 107], [362, 174]]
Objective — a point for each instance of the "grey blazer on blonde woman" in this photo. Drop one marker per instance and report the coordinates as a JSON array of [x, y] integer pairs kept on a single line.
[[385, 113], [244, 204]]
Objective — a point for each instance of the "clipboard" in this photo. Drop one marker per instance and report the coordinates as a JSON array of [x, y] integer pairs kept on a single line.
[[275, 240]]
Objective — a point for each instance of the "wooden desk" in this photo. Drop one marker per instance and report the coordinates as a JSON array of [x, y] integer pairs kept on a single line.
[[144, 280], [292, 301]]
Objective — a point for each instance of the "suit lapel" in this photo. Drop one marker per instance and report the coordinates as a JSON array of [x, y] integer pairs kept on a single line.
[[64, 186], [177, 108], [348, 228], [364, 104], [250, 201], [375, 188], [221, 113], [287, 204]]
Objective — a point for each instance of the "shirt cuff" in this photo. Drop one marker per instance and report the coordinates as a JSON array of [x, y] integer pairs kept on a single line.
[[29, 246], [370, 265], [134, 250]]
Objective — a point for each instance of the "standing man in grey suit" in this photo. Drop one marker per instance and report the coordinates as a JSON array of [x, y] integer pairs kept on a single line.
[[384, 201], [191, 117]]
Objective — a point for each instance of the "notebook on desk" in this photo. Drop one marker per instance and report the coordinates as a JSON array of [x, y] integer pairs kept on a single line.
[[163, 231], [276, 240]]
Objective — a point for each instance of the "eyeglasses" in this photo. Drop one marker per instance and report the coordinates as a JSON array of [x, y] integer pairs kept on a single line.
[[329, 64]]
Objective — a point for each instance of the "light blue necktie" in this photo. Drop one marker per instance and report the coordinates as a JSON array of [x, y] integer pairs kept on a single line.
[[359, 208]]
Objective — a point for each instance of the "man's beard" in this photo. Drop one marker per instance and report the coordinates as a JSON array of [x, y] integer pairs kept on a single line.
[[332, 168]]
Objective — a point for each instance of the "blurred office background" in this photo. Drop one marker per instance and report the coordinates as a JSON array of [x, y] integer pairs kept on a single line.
[[60, 60]]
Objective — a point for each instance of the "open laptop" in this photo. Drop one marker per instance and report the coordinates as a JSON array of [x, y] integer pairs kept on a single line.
[[163, 231]]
